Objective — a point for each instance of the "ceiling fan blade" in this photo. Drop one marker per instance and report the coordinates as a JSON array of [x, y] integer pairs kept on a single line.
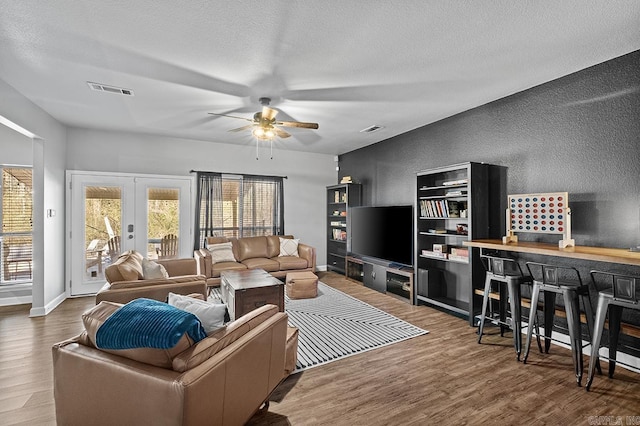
[[269, 113], [231, 116], [281, 133], [239, 129], [299, 124]]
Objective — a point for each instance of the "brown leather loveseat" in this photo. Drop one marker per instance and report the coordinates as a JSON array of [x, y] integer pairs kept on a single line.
[[264, 252], [222, 379]]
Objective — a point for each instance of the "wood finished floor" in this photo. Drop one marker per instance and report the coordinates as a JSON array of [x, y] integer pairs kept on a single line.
[[442, 377]]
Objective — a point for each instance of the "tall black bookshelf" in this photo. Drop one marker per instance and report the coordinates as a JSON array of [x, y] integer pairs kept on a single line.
[[455, 203], [340, 199]]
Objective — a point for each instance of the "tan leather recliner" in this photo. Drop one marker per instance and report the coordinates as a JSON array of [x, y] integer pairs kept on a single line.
[[214, 382], [125, 280]]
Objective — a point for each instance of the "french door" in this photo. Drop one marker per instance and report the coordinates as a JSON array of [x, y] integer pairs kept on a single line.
[[110, 214]]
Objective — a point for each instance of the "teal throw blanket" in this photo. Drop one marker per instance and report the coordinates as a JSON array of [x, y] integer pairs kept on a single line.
[[146, 323]]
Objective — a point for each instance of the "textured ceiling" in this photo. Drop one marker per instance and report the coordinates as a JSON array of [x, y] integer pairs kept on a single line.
[[344, 64]]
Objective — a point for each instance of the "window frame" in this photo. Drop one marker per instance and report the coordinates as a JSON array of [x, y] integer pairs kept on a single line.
[[240, 213]]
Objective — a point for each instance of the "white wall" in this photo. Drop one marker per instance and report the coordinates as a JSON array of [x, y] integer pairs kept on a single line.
[[48, 155], [304, 190], [15, 148]]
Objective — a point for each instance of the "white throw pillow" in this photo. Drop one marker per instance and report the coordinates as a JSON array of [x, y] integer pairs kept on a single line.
[[211, 315], [221, 252], [289, 247], [153, 270]]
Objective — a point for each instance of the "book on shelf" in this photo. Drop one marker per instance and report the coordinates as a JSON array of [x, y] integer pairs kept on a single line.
[[460, 251], [456, 258], [440, 248], [436, 231], [336, 196], [339, 234], [442, 208], [456, 182], [434, 254], [455, 193]]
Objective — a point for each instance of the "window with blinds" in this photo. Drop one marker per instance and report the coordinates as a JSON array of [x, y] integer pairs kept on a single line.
[[16, 216], [239, 206]]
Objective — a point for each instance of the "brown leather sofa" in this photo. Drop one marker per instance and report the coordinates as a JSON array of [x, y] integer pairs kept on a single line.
[[221, 380], [255, 252], [125, 279]]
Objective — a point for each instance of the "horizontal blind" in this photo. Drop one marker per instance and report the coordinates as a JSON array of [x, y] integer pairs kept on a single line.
[[17, 200], [17, 224], [238, 206]]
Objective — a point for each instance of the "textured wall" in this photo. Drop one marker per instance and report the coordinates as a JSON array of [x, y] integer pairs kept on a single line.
[[580, 134]]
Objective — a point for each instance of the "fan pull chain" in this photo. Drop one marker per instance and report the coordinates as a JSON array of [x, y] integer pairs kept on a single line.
[[256, 148], [271, 148]]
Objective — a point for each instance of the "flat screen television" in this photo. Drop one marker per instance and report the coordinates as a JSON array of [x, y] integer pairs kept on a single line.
[[383, 232]]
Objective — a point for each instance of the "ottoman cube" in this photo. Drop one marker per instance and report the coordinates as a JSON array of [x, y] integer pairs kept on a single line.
[[301, 285]]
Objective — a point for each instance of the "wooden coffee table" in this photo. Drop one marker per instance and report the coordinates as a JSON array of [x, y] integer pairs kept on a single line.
[[244, 291]]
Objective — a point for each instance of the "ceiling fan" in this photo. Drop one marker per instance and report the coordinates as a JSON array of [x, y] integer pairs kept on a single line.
[[264, 123]]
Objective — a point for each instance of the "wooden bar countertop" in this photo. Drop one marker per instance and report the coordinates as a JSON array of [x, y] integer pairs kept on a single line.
[[599, 254]]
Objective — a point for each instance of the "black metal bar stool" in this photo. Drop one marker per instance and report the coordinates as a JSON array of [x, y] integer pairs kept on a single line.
[[621, 294], [566, 281], [507, 272]]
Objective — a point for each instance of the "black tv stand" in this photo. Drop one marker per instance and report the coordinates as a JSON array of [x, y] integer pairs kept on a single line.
[[390, 278]]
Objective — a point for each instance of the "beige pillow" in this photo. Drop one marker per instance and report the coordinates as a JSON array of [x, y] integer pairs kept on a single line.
[[128, 267], [152, 270], [289, 247], [96, 316], [211, 315], [221, 252]]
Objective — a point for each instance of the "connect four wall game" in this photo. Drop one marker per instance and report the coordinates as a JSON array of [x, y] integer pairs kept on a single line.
[[546, 213]]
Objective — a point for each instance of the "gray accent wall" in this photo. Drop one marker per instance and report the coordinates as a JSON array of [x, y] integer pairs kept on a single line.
[[579, 134]]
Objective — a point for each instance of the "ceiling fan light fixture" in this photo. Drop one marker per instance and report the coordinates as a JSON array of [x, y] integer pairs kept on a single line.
[[264, 133]]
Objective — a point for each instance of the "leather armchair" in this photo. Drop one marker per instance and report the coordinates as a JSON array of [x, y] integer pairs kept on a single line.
[[125, 281], [204, 387]]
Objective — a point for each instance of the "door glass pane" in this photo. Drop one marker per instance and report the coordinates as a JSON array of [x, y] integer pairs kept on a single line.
[[103, 218], [163, 222]]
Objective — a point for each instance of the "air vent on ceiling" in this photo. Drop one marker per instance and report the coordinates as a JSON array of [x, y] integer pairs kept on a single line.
[[109, 89], [371, 129]]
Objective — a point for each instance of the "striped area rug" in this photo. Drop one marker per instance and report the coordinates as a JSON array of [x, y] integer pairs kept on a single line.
[[335, 325]]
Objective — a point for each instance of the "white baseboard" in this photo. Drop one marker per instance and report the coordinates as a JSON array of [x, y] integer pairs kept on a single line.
[[322, 268], [40, 312], [15, 300], [623, 360]]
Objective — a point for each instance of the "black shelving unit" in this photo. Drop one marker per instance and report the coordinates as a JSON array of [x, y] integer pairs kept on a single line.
[[456, 203], [340, 199]]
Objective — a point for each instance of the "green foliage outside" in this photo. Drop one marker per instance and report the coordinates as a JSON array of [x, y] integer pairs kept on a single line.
[[163, 218]]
